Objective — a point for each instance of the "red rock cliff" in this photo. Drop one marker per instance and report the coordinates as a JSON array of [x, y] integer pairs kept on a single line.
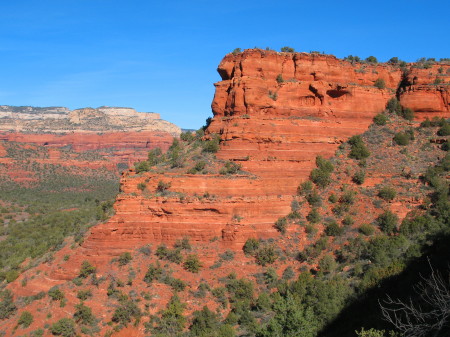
[[275, 112]]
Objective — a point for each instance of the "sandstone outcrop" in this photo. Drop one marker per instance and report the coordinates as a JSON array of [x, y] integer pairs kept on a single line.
[[275, 112], [426, 90]]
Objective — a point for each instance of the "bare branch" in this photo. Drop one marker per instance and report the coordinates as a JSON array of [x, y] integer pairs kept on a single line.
[[411, 318]]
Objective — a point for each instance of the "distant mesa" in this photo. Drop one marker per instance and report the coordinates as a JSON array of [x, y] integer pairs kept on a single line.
[[64, 120]]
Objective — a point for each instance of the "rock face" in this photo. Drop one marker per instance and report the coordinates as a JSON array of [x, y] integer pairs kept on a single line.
[[94, 138], [275, 112], [426, 90], [62, 120]]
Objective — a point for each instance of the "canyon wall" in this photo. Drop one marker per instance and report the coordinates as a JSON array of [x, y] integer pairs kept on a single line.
[[275, 112]]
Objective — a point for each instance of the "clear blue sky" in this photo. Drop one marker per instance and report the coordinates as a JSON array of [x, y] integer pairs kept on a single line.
[[161, 56]]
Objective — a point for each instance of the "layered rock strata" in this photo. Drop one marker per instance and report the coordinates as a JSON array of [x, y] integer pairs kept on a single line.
[[105, 137], [275, 112]]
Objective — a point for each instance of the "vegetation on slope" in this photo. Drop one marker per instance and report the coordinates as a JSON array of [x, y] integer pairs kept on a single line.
[[36, 217], [354, 250]]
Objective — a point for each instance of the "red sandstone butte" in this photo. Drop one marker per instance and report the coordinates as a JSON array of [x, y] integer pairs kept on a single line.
[[275, 112]]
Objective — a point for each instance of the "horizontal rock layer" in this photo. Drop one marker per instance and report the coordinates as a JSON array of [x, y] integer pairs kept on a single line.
[[63, 120], [275, 112]]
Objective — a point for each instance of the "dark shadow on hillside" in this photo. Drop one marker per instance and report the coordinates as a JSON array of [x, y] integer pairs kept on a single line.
[[365, 311]]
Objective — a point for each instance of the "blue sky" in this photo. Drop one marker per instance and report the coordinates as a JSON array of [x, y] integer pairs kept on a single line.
[[161, 56]]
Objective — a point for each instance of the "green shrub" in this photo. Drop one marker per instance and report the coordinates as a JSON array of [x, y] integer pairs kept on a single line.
[[359, 177], [287, 50], [394, 106], [352, 58], [380, 83], [407, 114], [64, 327], [84, 294], [86, 269], [230, 168], [324, 165], [393, 60], [154, 156], [320, 178], [172, 255], [314, 198], [163, 186], [348, 221], [212, 145], [327, 264], [146, 250], [125, 312], [401, 138], [266, 255], [387, 193], [228, 255], [199, 167], [153, 273], [183, 243], [436, 121], [311, 230], [177, 284], [333, 229], [280, 78], [172, 320], [348, 197], [239, 289], [12, 275], [366, 229], [288, 273], [142, 166], [281, 225], [444, 130], [313, 216], [55, 294], [333, 198], [205, 323], [418, 226], [250, 246], [192, 263], [141, 186], [236, 51], [7, 306], [187, 136], [175, 155], [273, 95], [25, 319], [340, 209], [380, 119], [125, 258], [372, 59], [83, 314], [388, 222], [358, 148], [305, 187]]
